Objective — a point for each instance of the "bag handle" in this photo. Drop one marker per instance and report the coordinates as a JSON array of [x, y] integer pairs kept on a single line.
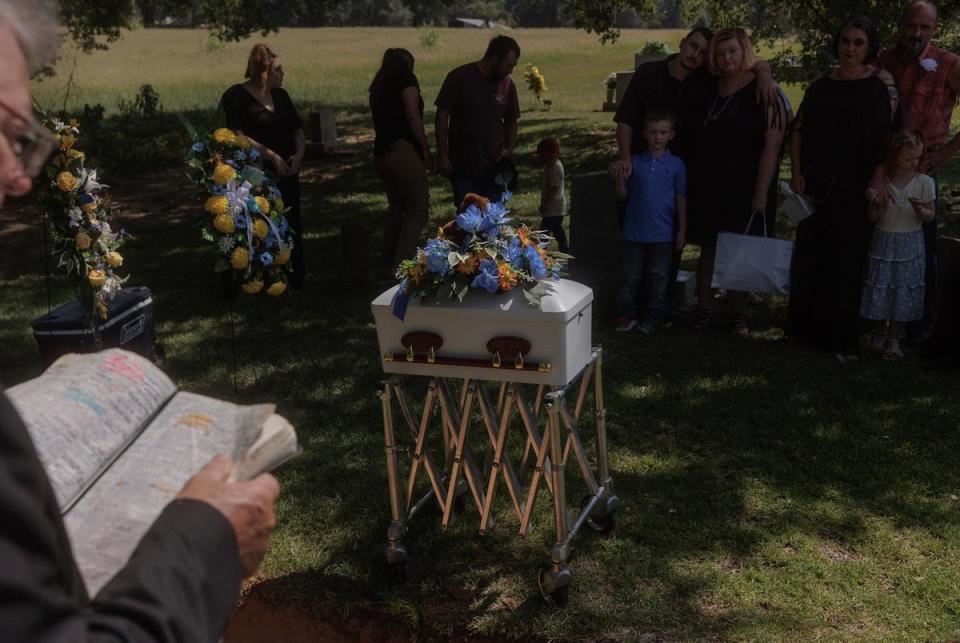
[[763, 216]]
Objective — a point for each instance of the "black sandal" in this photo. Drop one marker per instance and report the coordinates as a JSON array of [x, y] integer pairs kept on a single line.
[[740, 326], [703, 319]]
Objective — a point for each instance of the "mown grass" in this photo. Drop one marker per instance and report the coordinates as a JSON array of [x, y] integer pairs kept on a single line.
[[768, 493]]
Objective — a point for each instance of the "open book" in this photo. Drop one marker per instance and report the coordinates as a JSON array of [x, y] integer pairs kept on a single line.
[[118, 442]]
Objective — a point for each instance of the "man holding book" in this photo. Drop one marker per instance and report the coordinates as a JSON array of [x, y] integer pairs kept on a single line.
[[182, 581]]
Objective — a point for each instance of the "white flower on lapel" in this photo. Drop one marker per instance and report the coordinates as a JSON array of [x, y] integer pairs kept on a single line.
[[929, 64]]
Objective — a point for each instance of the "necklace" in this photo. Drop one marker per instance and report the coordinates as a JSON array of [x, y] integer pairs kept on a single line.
[[716, 110]]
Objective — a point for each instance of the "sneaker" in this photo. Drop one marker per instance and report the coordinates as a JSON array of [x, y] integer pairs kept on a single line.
[[625, 324], [893, 352], [647, 328], [877, 344]]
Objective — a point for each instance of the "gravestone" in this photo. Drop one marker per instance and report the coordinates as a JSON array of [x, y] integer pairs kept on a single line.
[[595, 239], [323, 130]]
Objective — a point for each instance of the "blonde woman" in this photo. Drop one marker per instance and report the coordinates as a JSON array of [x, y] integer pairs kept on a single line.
[[736, 145], [261, 109]]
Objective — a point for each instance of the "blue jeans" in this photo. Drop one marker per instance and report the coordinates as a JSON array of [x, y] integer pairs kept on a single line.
[[646, 266]]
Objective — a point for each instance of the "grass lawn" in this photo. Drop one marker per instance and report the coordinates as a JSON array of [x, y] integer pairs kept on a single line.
[[767, 492]]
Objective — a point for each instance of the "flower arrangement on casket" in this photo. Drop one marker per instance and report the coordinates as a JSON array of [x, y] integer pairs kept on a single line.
[[79, 211], [481, 249], [246, 218]]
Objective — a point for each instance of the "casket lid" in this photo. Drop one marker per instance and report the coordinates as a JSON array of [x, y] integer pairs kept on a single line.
[[563, 300]]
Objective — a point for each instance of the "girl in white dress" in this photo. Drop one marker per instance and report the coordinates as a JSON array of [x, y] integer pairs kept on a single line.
[[894, 288]]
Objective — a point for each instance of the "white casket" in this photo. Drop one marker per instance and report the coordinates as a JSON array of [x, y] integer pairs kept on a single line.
[[491, 337]]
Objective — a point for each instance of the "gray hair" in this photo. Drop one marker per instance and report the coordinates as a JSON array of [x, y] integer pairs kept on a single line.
[[34, 24]]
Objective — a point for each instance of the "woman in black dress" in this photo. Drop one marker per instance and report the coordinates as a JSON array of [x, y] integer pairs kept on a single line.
[[735, 148], [402, 154], [839, 136], [263, 111]]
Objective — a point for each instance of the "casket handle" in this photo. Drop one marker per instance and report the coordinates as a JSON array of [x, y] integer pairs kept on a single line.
[[421, 341]]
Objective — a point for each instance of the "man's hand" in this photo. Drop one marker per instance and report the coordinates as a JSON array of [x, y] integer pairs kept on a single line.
[[294, 163], [759, 203], [278, 163], [248, 506], [620, 170], [444, 166], [768, 94], [681, 239]]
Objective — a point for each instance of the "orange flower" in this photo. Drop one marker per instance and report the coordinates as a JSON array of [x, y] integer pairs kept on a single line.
[[469, 265], [508, 277], [524, 237]]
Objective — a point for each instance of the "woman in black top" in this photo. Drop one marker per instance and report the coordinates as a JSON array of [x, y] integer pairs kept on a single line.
[[735, 150], [402, 154], [265, 114], [838, 141]]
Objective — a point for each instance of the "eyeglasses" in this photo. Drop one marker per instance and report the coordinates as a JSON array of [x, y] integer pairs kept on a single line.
[[33, 145]]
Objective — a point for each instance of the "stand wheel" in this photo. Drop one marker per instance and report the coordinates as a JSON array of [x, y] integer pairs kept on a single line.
[[397, 574], [603, 525], [558, 597]]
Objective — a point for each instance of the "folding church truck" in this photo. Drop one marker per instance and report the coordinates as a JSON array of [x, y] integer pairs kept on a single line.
[[510, 363]]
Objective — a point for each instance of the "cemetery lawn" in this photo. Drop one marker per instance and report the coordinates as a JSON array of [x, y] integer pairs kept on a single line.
[[767, 492]]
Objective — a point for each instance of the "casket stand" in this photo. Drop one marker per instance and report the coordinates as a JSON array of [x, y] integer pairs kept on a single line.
[[514, 364]]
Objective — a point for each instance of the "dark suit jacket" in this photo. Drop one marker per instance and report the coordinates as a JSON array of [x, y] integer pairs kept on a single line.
[[181, 582]]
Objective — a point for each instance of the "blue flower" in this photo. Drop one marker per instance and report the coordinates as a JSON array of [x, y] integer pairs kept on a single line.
[[493, 218], [252, 205], [537, 268], [240, 221], [254, 154], [470, 219], [266, 258], [513, 252], [488, 276], [437, 251], [197, 147], [240, 156]]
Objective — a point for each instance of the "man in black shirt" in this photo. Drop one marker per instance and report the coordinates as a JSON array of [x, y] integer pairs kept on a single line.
[[477, 113]]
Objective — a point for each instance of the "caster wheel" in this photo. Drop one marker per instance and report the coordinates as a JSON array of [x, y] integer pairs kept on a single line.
[[603, 525], [558, 597], [397, 574]]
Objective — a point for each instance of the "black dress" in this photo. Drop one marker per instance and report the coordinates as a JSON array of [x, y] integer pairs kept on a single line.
[[844, 125], [726, 139], [274, 129]]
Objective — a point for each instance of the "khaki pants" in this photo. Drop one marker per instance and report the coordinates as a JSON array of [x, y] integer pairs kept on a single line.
[[405, 181]]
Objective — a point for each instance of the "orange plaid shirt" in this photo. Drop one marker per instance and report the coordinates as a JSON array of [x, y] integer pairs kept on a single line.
[[926, 98]]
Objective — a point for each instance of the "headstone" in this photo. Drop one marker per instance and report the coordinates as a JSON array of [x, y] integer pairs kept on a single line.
[[639, 59], [323, 128], [622, 80], [685, 289], [595, 238]]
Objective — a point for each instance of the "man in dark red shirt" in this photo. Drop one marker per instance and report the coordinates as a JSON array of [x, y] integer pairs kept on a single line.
[[928, 79], [477, 113]]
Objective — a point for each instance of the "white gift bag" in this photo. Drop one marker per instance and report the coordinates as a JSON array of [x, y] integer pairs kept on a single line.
[[752, 264], [796, 206]]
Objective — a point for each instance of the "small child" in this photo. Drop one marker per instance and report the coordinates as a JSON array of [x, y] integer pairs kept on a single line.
[[654, 226], [553, 203], [894, 288]]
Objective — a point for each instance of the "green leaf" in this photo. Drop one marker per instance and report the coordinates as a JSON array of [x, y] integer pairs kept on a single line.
[[207, 235], [191, 130], [254, 175], [460, 289], [454, 258]]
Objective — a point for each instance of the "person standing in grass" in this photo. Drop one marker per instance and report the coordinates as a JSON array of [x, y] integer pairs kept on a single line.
[[402, 154], [894, 290], [477, 113], [264, 112], [654, 227], [553, 202]]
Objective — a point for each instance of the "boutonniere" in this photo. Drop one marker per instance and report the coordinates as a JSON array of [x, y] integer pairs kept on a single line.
[[929, 64]]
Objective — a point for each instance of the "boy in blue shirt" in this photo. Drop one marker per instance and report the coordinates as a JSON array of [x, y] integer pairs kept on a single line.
[[654, 226]]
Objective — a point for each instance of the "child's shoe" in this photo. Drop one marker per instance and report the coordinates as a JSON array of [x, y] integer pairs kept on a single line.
[[648, 328], [893, 353], [625, 324]]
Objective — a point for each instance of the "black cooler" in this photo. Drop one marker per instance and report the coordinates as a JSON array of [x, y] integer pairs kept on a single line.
[[129, 325]]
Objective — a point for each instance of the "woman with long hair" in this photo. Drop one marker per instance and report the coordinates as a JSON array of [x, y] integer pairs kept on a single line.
[[402, 154], [261, 109]]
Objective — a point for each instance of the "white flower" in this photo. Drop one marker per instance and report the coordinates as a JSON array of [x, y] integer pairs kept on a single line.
[[226, 244], [76, 216], [929, 64]]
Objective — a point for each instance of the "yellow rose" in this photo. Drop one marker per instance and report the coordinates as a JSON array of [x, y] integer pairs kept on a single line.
[[75, 154], [224, 223], [276, 288], [67, 182], [224, 136], [262, 203], [252, 287], [83, 240], [260, 229], [239, 258], [115, 259], [282, 257], [97, 277], [67, 141], [242, 142], [223, 174], [216, 205], [278, 203], [91, 206]]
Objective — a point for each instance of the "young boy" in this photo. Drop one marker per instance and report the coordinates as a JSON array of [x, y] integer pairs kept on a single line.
[[654, 226], [553, 203]]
